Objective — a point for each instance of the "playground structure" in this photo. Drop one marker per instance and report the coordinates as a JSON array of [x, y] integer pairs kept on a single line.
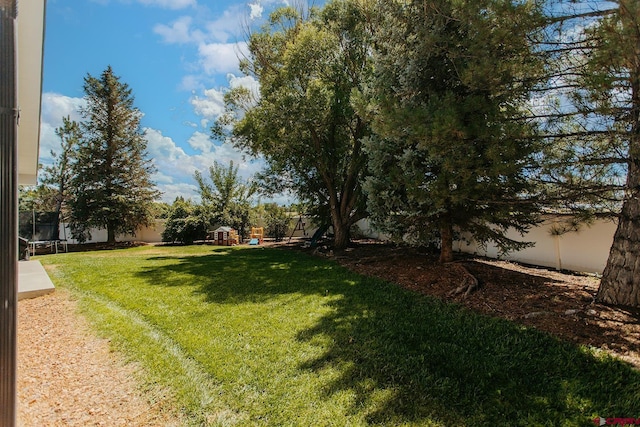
[[257, 236], [226, 236]]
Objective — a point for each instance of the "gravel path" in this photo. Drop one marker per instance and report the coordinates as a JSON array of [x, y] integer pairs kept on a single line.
[[68, 377]]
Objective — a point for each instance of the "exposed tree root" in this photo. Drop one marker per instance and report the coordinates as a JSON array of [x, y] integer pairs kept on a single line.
[[468, 285]]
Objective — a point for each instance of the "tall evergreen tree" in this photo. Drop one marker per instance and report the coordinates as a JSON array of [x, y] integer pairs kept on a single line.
[[591, 120], [451, 150], [612, 82], [111, 186]]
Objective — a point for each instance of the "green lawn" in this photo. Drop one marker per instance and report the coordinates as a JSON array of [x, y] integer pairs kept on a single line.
[[254, 336]]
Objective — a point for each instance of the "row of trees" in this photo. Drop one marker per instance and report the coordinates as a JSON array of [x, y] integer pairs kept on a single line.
[[225, 200], [430, 117], [101, 178], [440, 116]]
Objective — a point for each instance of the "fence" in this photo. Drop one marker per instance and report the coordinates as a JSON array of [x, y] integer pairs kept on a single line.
[[150, 234], [584, 250]]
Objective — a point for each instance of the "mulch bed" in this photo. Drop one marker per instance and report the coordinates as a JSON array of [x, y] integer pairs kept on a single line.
[[69, 377]]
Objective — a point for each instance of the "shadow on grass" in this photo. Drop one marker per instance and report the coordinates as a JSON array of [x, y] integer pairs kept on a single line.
[[410, 359]]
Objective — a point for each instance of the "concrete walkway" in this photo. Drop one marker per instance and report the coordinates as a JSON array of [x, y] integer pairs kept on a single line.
[[33, 280]]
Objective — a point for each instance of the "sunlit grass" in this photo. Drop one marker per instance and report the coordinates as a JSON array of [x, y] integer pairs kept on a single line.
[[255, 336]]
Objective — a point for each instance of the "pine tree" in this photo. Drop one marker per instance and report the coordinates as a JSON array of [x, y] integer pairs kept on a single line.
[[614, 86], [111, 186], [591, 120], [451, 150]]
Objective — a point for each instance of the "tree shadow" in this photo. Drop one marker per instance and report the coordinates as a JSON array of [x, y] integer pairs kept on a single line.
[[230, 275], [411, 359]]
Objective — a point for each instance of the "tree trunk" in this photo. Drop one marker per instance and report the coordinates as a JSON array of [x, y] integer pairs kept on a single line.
[[111, 234], [341, 236], [620, 284], [446, 240], [56, 227]]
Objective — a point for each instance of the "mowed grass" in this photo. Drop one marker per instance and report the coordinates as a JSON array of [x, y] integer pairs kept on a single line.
[[269, 337]]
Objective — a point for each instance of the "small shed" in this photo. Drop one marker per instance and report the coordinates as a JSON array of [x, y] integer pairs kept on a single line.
[[225, 236]]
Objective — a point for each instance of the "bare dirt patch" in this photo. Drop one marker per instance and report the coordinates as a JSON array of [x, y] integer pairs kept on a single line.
[[560, 303]]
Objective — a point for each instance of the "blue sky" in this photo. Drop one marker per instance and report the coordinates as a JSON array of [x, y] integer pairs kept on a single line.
[[177, 56]]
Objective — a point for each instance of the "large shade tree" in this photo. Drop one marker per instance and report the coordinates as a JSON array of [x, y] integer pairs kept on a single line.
[[452, 150], [111, 187], [616, 81], [311, 64]]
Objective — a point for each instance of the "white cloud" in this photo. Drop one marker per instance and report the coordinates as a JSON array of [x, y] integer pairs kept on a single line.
[[171, 191], [54, 108], [201, 141], [227, 26], [257, 7], [175, 168], [256, 11], [221, 57], [163, 148], [245, 81], [190, 83], [169, 4], [188, 29], [177, 32], [211, 106]]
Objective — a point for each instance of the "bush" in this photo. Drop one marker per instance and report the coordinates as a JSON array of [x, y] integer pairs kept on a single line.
[[277, 222], [185, 223]]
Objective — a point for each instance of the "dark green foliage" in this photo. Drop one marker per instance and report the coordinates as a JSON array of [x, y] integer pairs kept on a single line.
[[161, 210], [186, 223], [59, 174], [277, 220], [40, 198], [451, 151], [583, 109], [591, 128], [111, 186], [226, 199]]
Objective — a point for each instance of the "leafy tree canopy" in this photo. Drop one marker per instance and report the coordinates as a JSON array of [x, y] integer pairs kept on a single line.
[[310, 65], [226, 198]]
